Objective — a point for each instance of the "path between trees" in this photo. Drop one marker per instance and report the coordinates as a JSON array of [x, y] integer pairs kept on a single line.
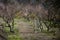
[[27, 32]]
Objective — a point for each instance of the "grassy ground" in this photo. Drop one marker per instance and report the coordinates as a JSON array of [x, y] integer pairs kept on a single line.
[[15, 35], [12, 36], [24, 23]]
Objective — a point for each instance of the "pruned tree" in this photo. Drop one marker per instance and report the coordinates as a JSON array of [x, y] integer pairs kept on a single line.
[[8, 11]]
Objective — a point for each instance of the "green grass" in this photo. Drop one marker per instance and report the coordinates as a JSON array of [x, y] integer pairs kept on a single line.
[[12, 36]]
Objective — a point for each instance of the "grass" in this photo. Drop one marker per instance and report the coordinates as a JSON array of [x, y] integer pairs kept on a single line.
[[16, 35], [12, 36], [49, 33]]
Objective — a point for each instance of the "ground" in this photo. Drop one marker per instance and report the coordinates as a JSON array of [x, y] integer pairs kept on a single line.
[[26, 31]]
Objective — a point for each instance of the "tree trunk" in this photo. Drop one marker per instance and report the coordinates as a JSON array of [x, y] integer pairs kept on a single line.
[[12, 28]]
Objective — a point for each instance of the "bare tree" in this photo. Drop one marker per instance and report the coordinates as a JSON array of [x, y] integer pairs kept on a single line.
[[8, 12]]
